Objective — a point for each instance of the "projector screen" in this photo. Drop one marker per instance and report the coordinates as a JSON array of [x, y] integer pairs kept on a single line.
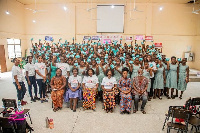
[[110, 18]]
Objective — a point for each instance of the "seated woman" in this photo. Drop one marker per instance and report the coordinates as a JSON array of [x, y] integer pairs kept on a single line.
[[74, 83], [140, 85], [124, 85], [109, 85], [58, 84], [90, 85]]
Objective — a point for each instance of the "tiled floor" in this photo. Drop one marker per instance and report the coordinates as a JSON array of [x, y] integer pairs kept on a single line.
[[66, 121]]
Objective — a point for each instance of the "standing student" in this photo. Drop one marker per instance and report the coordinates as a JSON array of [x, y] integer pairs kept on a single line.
[[117, 70], [172, 76], [124, 85], [109, 85], [183, 76], [65, 69], [153, 65], [58, 84], [30, 77], [17, 76], [159, 80], [100, 78], [90, 84], [136, 66], [41, 73], [53, 68], [147, 72], [74, 88], [166, 72], [128, 65], [81, 69]]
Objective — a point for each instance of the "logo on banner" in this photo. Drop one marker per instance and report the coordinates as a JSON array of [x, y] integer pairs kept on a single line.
[[139, 37], [158, 45]]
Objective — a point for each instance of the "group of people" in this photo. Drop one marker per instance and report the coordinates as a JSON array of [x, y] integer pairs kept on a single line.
[[112, 73]]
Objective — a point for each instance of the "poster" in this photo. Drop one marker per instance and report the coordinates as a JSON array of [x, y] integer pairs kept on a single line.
[[139, 37], [149, 38], [158, 45], [86, 38], [129, 38]]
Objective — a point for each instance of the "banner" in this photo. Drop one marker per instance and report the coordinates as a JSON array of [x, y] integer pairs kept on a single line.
[[95, 37], [48, 38], [139, 37], [86, 38], [149, 38], [108, 40], [158, 45]]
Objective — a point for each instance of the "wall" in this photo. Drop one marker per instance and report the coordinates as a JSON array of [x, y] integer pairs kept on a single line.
[[12, 26], [175, 26]]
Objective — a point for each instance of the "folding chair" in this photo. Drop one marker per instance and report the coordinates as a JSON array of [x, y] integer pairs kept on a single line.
[[169, 113], [11, 103], [180, 114]]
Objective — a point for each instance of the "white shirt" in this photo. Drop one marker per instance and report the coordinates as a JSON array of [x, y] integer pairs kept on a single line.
[[41, 67], [30, 68], [108, 83], [64, 67], [90, 82], [17, 71], [154, 68], [74, 80]]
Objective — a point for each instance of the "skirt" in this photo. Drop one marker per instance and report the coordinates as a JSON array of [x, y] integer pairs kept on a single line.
[[89, 98], [109, 100], [70, 94], [57, 98]]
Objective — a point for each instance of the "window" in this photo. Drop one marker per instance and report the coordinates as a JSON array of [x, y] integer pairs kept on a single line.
[[14, 48]]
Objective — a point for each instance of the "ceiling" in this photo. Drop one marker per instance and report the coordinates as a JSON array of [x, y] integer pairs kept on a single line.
[[27, 2]]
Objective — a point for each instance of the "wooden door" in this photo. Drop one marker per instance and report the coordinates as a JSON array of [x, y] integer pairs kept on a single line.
[[2, 59]]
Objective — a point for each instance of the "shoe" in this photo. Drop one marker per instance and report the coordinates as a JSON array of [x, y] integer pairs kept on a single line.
[[143, 112], [134, 111], [42, 101], [45, 100], [74, 110], [23, 103], [32, 99], [36, 98]]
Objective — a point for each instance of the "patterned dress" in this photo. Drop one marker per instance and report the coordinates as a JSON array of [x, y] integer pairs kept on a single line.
[[159, 79], [57, 95], [135, 71], [126, 99], [147, 75], [182, 85], [171, 81]]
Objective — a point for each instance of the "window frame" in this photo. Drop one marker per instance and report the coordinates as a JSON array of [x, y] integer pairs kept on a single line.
[[14, 47]]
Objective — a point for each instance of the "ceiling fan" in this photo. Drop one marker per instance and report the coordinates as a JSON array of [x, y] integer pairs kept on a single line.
[[195, 11], [135, 8], [35, 10]]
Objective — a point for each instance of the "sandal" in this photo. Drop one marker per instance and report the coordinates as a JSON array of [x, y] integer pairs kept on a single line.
[[54, 110], [173, 97], [143, 112], [154, 97], [107, 110], [111, 111], [134, 111], [160, 98], [180, 97]]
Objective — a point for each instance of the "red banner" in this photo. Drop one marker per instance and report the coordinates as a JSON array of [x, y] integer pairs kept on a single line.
[[158, 45], [148, 38]]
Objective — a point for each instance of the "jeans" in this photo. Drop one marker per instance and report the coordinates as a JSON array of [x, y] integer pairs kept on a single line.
[[144, 101], [42, 87], [20, 93], [33, 82]]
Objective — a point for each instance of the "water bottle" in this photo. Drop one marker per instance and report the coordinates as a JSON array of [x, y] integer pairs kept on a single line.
[[19, 105]]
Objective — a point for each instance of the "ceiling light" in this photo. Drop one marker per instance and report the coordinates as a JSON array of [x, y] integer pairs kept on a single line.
[[34, 21], [161, 8], [65, 8], [7, 12], [112, 6]]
